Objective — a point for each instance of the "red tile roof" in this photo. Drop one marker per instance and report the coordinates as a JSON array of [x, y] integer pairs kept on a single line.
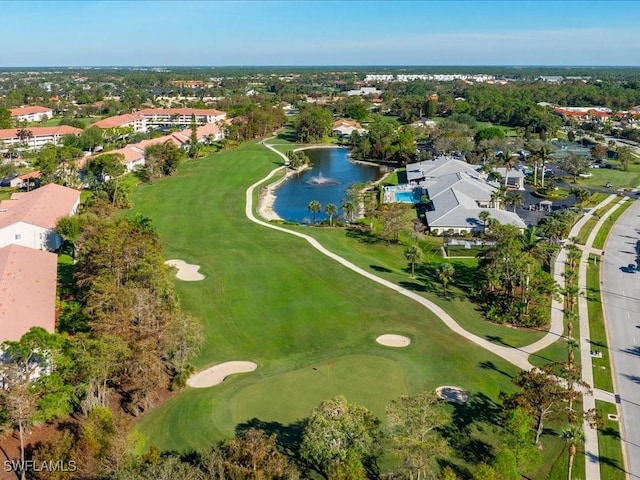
[[8, 133], [27, 291], [129, 153], [202, 131], [30, 175], [16, 112], [343, 122], [117, 121], [42, 206]]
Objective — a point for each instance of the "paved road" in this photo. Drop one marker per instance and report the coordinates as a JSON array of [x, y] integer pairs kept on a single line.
[[621, 299]]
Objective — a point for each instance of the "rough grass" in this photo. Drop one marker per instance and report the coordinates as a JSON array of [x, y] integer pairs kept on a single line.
[[597, 333], [589, 225], [271, 298], [609, 446]]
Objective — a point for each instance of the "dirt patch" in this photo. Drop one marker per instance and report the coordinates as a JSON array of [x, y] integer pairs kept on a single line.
[[391, 340], [216, 374]]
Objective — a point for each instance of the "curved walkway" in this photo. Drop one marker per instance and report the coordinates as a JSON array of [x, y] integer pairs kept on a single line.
[[517, 357]]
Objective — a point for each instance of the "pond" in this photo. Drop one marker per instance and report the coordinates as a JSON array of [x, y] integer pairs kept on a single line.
[[331, 174]]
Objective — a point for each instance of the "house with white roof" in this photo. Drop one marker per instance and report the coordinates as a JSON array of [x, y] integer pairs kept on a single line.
[[457, 193], [28, 281], [29, 218]]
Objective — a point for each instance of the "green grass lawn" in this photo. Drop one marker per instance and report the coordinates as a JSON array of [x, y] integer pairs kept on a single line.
[[609, 447], [603, 233], [54, 122], [586, 229], [388, 261], [617, 177], [271, 298], [597, 333]]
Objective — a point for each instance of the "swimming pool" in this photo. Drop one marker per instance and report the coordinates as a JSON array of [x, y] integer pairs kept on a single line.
[[405, 197]]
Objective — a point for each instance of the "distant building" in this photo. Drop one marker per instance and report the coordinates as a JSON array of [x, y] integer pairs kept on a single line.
[[362, 91], [130, 120], [34, 138], [33, 113], [345, 128], [550, 78], [172, 117]]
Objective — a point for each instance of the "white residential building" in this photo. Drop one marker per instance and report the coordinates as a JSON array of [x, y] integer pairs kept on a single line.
[[29, 218], [33, 113], [171, 117], [34, 138]]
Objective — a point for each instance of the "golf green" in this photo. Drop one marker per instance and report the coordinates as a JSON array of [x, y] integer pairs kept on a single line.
[[285, 398]]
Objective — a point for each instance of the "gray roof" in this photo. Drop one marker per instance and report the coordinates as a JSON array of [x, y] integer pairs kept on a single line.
[[438, 167], [462, 217], [472, 186]]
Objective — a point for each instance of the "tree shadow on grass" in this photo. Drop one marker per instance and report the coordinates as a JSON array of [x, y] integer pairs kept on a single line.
[[362, 234], [489, 365], [479, 411], [288, 136], [380, 268], [466, 278], [289, 436]]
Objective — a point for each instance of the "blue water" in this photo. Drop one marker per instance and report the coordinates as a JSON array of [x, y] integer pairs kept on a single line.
[[326, 182], [405, 197]]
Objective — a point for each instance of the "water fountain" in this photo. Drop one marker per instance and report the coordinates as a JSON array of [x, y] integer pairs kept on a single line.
[[320, 180]]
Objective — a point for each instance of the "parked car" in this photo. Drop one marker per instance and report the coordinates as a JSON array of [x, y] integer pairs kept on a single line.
[[585, 175], [631, 268]]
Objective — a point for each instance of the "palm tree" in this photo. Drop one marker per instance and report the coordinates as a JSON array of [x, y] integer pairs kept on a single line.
[[484, 218], [498, 197], [349, 209], [571, 317], [24, 134], [330, 209], [572, 345], [413, 254], [573, 435], [445, 275], [314, 207], [514, 199]]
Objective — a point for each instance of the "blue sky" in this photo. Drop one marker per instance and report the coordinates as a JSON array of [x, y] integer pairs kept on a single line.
[[290, 32]]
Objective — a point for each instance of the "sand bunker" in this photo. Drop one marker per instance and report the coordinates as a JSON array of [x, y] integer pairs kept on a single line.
[[390, 340], [217, 373], [186, 271], [452, 394]]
